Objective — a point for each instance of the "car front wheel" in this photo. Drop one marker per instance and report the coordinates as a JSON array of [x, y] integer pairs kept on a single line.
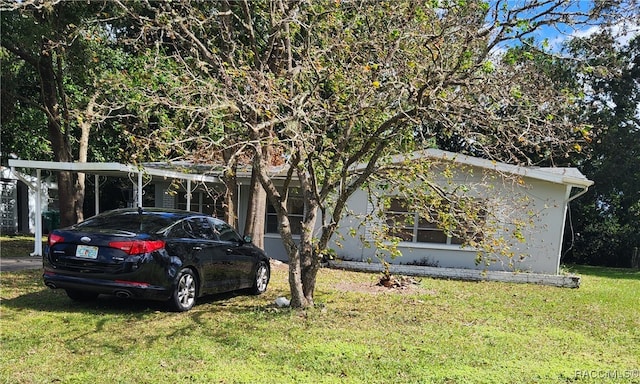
[[261, 279], [184, 293]]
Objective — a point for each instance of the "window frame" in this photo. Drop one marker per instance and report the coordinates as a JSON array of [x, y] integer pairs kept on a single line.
[[296, 213], [201, 202], [420, 224]]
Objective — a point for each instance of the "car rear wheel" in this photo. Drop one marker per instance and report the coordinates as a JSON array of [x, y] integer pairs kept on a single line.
[[184, 294], [80, 295], [261, 279]]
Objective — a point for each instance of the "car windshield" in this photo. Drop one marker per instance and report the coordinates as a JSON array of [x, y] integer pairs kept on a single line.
[[148, 222]]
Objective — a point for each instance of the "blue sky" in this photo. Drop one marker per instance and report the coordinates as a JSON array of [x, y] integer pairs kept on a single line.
[[627, 26]]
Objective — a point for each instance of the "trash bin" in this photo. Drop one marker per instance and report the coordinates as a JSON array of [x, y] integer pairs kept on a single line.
[[50, 221]]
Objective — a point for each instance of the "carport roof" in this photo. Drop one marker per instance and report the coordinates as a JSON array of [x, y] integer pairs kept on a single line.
[[164, 171], [116, 169]]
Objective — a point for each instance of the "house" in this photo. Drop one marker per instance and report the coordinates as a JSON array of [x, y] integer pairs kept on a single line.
[[529, 203], [533, 199]]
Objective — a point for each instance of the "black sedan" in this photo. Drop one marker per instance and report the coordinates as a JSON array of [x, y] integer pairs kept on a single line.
[[152, 253]]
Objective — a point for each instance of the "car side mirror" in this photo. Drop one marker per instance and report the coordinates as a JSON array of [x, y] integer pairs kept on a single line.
[[247, 239]]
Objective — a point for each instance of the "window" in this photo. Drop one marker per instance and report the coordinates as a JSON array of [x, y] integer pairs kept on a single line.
[[203, 202], [295, 207], [410, 227]]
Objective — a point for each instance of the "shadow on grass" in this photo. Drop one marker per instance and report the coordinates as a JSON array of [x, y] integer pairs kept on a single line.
[[24, 291], [609, 273], [48, 300]]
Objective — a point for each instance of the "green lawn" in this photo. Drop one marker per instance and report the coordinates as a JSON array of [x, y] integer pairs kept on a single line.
[[436, 332], [17, 246]]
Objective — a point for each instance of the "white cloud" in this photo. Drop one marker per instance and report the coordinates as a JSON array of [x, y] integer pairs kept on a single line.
[[623, 33]]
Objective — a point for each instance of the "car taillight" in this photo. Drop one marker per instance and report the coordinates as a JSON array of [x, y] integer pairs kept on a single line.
[[53, 239], [136, 247]]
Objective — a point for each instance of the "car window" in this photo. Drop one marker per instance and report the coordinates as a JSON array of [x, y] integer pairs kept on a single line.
[[193, 228], [202, 229], [129, 221], [224, 231], [181, 229]]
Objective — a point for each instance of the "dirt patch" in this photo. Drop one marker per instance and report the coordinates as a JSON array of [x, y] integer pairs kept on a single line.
[[409, 286], [403, 285], [278, 265]]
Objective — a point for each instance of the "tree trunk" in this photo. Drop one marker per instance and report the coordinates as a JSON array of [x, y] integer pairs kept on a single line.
[[66, 198], [85, 128], [256, 212], [304, 265], [230, 197], [61, 147], [298, 298], [310, 264], [78, 200], [231, 183], [296, 261]]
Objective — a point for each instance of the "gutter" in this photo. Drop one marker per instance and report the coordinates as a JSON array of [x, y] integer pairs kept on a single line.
[[584, 190]]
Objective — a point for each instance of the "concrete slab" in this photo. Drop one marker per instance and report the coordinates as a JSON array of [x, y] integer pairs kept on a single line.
[[20, 263]]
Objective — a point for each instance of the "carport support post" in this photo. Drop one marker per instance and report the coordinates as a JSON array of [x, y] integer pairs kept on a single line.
[[37, 245], [188, 194], [37, 188], [140, 189], [96, 192]]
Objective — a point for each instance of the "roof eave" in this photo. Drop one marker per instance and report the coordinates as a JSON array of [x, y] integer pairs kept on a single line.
[[534, 173]]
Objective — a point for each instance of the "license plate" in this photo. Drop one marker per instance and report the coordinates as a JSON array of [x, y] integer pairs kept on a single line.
[[87, 252]]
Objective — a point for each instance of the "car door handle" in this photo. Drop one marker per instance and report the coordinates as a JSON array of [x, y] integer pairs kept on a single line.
[[229, 251], [197, 248]]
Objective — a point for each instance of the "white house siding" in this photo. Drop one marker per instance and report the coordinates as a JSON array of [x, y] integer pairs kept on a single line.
[[274, 248], [543, 244], [543, 237]]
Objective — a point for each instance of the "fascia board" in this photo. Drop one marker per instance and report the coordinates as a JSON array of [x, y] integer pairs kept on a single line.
[[108, 168], [179, 175], [534, 173], [74, 167]]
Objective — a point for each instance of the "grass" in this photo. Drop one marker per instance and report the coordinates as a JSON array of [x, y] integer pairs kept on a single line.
[[17, 246], [438, 332]]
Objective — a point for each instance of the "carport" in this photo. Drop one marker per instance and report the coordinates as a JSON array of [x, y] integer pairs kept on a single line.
[[134, 172]]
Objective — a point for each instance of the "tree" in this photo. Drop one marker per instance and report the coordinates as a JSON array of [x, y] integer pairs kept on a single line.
[[53, 54], [79, 91], [334, 88], [607, 218]]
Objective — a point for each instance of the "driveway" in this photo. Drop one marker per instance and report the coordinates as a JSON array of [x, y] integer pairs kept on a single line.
[[12, 264]]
